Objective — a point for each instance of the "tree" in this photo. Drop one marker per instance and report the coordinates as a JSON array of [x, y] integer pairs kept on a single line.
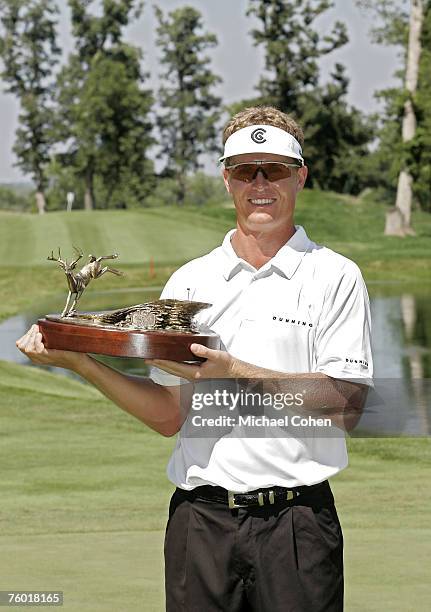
[[11, 199], [189, 109], [402, 148], [390, 20], [29, 52], [421, 146], [103, 108], [401, 224], [293, 47], [122, 108], [337, 137]]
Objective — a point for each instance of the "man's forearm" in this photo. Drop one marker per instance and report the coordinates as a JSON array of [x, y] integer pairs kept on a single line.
[[321, 395], [155, 405]]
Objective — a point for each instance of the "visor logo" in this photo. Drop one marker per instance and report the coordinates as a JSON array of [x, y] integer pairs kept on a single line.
[[258, 135]]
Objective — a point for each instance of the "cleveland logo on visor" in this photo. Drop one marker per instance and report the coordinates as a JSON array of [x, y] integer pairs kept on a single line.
[[258, 136]]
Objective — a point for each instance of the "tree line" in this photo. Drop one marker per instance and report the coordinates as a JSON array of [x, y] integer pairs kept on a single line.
[[92, 125]]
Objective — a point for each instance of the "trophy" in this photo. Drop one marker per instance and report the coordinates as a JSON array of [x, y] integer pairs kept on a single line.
[[162, 329]]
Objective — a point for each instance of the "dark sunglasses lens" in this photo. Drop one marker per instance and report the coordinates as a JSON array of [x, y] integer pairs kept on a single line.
[[244, 172], [277, 172], [272, 171]]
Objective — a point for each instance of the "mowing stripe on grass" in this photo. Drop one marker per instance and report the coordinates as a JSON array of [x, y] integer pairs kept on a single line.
[[40, 380], [89, 237], [132, 238], [50, 232], [144, 236], [17, 239]]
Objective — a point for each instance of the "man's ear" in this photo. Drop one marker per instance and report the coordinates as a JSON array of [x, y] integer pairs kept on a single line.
[[226, 179], [302, 177]]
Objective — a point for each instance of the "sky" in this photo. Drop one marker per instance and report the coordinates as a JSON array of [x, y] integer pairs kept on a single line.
[[370, 67]]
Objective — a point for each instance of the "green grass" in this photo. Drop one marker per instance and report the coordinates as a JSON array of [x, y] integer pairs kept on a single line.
[[97, 572], [83, 495], [384, 503], [84, 501]]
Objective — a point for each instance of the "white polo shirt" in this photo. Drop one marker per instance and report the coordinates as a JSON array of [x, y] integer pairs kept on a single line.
[[305, 310]]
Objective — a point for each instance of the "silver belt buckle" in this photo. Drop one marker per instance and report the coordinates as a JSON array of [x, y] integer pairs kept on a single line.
[[231, 501], [260, 500]]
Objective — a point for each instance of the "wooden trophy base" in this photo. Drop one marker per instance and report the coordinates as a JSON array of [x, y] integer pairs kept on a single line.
[[117, 342]]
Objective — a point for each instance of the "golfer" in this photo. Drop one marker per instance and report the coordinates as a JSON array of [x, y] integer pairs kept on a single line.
[[252, 523]]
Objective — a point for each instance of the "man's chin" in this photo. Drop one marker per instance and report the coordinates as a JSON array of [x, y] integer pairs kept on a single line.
[[262, 219], [266, 223]]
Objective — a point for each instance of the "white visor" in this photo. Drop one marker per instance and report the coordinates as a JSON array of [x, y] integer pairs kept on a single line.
[[262, 139]]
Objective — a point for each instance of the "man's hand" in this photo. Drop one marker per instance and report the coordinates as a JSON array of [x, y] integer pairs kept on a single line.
[[31, 344], [218, 364]]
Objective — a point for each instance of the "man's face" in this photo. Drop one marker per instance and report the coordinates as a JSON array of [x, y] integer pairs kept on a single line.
[[263, 205]]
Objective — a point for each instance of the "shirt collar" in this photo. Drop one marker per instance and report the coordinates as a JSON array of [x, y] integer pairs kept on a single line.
[[287, 260]]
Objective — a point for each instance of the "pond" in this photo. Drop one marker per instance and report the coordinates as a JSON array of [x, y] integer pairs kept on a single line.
[[401, 315]]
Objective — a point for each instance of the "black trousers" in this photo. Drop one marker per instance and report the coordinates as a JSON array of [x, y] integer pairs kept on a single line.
[[287, 557]]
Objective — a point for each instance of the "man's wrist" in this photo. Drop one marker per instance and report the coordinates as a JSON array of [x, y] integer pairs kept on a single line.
[[79, 363], [242, 369]]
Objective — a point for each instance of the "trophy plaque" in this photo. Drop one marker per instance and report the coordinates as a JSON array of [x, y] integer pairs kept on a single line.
[[162, 329]]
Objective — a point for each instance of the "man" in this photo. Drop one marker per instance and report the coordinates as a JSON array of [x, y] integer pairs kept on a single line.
[[252, 524]]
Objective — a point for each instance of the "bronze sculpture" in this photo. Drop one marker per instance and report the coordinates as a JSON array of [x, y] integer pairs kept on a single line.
[[78, 281]]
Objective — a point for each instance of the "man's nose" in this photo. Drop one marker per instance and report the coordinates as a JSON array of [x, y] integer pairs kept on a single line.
[[260, 178]]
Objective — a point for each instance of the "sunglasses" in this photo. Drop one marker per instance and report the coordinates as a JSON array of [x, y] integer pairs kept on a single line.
[[272, 171]]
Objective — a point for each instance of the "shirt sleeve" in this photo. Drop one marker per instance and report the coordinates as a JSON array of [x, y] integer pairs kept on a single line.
[[343, 337], [156, 374]]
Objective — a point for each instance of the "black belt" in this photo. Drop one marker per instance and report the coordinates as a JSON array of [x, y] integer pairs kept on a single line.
[[258, 497]]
